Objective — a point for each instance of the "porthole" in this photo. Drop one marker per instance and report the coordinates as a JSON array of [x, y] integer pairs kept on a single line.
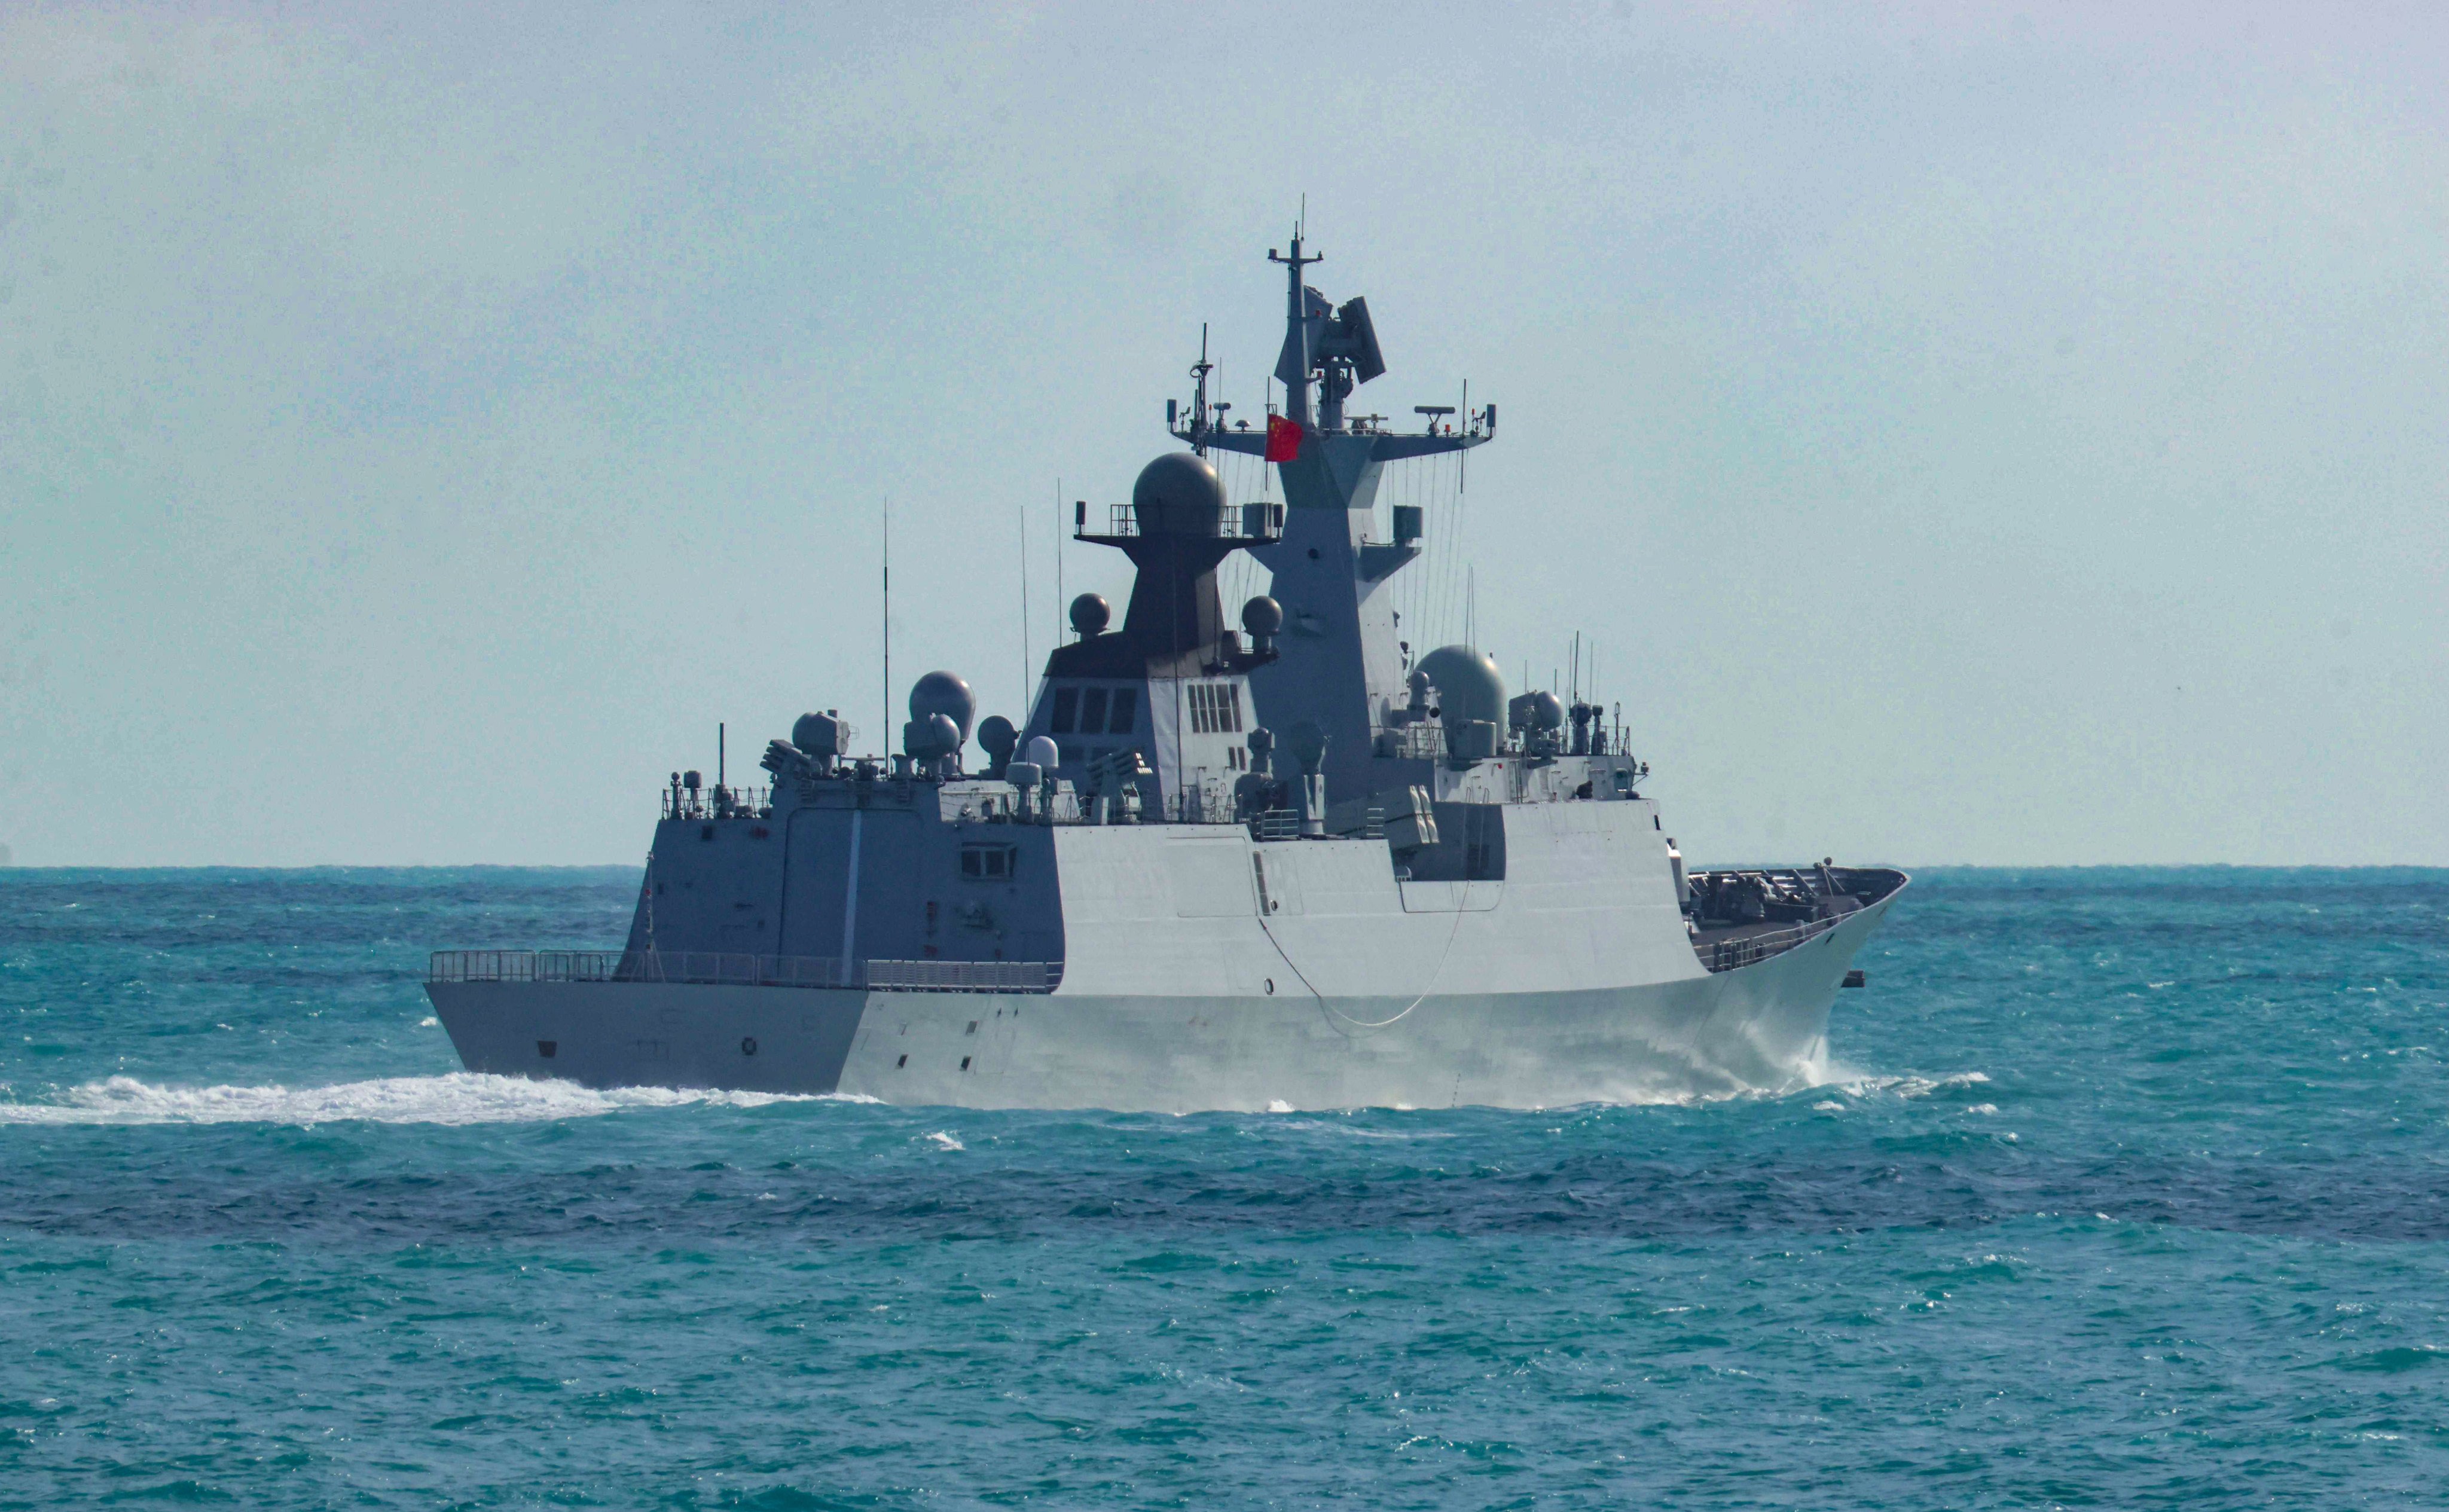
[[749, 1045], [1271, 986]]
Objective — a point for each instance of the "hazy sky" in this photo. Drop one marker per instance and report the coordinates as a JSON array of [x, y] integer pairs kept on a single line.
[[1969, 433]]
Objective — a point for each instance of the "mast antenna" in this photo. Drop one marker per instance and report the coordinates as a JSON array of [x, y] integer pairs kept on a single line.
[[1024, 613], [1462, 458], [887, 726], [1200, 371], [1292, 365]]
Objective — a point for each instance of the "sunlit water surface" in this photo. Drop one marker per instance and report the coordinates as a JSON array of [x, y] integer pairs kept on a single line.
[[2133, 1195]]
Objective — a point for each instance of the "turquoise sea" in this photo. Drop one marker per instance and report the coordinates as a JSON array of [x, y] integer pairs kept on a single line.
[[2131, 1194]]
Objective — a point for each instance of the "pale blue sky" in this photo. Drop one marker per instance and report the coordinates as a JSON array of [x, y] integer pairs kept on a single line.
[[1971, 433]]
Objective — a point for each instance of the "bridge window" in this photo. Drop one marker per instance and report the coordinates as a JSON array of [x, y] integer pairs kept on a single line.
[[1066, 710], [1215, 708], [1127, 711], [1093, 711], [988, 863]]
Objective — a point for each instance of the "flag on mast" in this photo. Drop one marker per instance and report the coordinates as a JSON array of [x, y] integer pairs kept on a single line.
[[1283, 438]]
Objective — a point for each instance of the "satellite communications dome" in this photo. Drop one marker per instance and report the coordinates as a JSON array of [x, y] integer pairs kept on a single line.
[[1179, 494], [1471, 700], [997, 738], [1469, 686], [943, 693]]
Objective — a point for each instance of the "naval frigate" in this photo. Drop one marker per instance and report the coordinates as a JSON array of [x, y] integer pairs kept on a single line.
[[1286, 865]]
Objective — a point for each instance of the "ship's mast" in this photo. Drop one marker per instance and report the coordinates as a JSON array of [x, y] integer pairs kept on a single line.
[[1293, 370], [1328, 571], [1199, 415]]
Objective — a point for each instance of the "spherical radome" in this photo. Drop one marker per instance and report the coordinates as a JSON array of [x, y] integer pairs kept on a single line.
[[1179, 494], [943, 693], [1469, 685]]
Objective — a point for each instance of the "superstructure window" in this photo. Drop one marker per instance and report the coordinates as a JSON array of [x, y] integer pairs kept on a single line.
[[1127, 711], [1215, 708], [1093, 711], [988, 863], [1066, 710]]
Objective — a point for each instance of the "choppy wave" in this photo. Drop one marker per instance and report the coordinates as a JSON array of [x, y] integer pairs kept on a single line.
[[1909, 1087], [460, 1098]]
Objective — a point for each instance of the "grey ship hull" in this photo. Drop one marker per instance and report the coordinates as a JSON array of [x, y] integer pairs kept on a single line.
[[1762, 1025], [1480, 906]]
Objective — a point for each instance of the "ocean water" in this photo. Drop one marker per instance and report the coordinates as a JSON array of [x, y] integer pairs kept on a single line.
[[2131, 1192]]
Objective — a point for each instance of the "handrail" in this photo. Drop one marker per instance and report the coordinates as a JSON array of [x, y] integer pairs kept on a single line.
[[1234, 522], [717, 803], [1729, 954], [724, 968]]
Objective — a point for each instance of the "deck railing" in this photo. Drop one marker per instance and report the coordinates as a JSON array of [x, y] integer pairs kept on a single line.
[[716, 803], [1234, 522], [1729, 954], [724, 968]]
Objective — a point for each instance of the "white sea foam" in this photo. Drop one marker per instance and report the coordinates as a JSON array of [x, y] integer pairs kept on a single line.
[[462, 1097], [1915, 1086], [944, 1139]]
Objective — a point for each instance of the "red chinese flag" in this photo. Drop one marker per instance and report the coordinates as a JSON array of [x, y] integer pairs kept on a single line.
[[1284, 439]]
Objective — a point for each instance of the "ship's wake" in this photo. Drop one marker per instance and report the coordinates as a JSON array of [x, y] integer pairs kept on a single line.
[[459, 1098]]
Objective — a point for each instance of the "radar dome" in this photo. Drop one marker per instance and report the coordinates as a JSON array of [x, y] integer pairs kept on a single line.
[[1262, 616], [1091, 614], [1548, 711], [943, 693], [946, 735], [997, 738], [1469, 686], [1179, 494], [1042, 753]]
